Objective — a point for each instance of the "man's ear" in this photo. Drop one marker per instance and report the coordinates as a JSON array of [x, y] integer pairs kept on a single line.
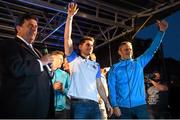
[[80, 46], [18, 28], [119, 52]]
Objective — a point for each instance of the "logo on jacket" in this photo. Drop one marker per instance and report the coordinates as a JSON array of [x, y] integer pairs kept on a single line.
[[94, 66]]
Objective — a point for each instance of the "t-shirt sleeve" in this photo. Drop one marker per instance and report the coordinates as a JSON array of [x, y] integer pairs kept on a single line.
[[98, 75], [71, 57]]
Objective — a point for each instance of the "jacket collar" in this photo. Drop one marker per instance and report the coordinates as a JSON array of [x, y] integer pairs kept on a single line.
[[27, 47]]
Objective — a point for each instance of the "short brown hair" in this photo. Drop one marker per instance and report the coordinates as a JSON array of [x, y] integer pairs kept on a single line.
[[57, 52], [86, 38], [92, 57]]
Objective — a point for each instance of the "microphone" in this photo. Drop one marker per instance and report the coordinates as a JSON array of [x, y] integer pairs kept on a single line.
[[45, 50]]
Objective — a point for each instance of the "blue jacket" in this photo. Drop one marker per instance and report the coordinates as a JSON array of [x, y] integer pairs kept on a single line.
[[60, 97], [126, 78]]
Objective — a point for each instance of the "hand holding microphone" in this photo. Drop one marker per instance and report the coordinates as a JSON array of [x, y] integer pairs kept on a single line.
[[47, 58]]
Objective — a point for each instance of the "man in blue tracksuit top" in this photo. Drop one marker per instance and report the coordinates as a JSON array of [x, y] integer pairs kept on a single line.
[[126, 79]]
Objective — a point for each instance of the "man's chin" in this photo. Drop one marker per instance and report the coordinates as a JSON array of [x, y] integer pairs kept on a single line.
[[88, 53], [128, 58], [32, 40]]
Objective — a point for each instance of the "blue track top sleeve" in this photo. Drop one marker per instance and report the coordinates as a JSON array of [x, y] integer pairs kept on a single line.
[[149, 53], [111, 85]]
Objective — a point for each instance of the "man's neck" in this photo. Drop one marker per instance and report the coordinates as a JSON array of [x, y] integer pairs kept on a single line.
[[84, 56], [125, 58]]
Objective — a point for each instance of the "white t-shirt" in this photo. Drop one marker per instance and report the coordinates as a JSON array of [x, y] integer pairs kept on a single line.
[[83, 75]]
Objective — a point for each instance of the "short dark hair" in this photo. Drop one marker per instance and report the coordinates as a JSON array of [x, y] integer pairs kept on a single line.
[[24, 17], [86, 38], [20, 20], [156, 71], [124, 43]]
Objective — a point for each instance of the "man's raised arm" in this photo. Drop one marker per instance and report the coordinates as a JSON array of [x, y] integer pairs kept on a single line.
[[68, 44]]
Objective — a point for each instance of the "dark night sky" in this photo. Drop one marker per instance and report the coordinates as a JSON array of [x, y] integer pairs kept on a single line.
[[171, 41]]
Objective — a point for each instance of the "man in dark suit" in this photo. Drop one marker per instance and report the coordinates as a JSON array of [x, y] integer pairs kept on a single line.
[[26, 86]]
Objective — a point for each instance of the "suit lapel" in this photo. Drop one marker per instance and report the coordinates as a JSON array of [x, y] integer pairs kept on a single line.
[[24, 45], [38, 52]]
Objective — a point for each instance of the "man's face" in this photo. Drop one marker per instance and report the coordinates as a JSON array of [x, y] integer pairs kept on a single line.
[[157, 76], [125, 51], [86, 48], [28, 30], [57, 61]]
